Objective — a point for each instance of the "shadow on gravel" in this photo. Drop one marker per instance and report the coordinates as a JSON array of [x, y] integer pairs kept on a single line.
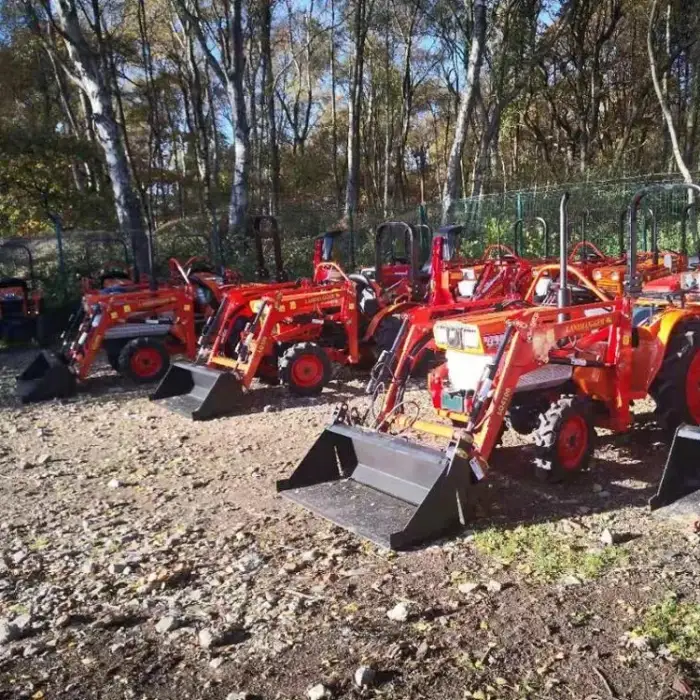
[[624, 474]]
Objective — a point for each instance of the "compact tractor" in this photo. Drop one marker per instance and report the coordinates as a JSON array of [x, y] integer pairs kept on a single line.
[[652, 264], [291, 336], [21, 301], [140, 328], [578, 366]]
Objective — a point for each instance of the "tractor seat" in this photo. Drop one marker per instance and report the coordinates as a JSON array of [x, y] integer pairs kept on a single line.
[[367, 301]]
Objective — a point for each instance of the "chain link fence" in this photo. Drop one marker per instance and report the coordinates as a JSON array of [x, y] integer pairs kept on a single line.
[[597, 213]]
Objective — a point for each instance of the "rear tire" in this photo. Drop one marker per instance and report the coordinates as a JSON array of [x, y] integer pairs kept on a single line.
[[676, 388], [305, 369], [143, 360], [564, 439]]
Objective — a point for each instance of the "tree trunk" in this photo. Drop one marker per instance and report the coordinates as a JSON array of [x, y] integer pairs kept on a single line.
[[334, 113], [663, 103], [269, 92], [355, 108], [238, 203], [476, 56], [92, 81]]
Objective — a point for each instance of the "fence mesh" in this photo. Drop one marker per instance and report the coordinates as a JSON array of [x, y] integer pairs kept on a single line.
[[596, 212]]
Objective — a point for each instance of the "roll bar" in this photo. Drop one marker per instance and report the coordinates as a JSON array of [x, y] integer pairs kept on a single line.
[[633, 285], [20, 244], [394, 228]]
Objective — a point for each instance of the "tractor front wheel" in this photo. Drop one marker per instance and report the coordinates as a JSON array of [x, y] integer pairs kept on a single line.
[[305, 369], [564, 439], [143, 360], [676, 388]]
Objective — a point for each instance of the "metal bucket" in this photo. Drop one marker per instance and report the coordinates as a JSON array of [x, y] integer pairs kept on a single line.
[[198, 392], [678, 494], [46, 377], [384, 488]]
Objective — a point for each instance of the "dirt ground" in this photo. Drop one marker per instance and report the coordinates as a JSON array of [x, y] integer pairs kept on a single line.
[[146, 556]]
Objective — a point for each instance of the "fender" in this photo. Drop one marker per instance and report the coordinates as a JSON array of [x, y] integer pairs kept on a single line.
[[390, 310]]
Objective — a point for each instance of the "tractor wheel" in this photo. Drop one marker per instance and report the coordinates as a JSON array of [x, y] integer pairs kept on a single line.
[[112, 349], [564, 439], [522, 419], [305, 369], [143, 360], [676, 388]]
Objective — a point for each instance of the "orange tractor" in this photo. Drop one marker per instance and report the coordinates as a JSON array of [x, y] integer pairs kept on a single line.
[[21, 301], [140, 328], [652, 264], [582, 366], [292, 335]]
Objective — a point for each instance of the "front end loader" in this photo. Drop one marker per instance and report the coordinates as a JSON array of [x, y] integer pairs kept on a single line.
[[139, 329], [582, 366], [292, 335]]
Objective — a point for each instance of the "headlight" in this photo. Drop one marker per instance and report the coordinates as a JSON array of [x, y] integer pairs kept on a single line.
[[597, 275], [469, 273], [470, 337], [615, 276], [96, 320], [440, 335]]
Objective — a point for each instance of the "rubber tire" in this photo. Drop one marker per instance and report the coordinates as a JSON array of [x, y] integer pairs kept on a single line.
[[124, 361], [286, 362], [548, 468], [668, 388], [524, 420], [112, 349]]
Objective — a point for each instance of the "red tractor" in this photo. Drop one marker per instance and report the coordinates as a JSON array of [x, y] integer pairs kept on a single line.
[[291, 335], [139, 328], [21, 301]]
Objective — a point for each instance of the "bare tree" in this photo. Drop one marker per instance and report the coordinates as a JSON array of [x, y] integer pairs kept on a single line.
[[86, 68], [466, 107]]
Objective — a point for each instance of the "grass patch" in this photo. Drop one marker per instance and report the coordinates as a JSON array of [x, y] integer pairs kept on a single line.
[[674, 624], [39, 544], [546, 555]]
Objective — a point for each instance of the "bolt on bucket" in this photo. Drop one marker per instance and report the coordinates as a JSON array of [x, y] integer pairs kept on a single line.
[[198, 392], [678, 495], [384, 488], [46, 377]]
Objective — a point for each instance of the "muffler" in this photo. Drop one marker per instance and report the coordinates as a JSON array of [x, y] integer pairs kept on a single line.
[[46, 377], [198, 392], [393, 492], [678, 495]]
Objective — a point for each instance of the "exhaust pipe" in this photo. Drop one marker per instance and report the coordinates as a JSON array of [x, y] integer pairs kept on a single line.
[[564, 293]]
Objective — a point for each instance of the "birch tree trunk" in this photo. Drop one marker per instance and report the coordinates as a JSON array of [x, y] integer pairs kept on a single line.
[[476, 57], [663, 103], [355, 107], [88, 75], [269, 92], [238, 203]]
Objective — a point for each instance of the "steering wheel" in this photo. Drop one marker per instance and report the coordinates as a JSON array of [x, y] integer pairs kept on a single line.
[[113, 270], [596, 254]]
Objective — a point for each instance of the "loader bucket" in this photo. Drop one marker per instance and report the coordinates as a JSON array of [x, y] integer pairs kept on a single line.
[[46, 377], [678, 494], [392, 492], [197, 392]]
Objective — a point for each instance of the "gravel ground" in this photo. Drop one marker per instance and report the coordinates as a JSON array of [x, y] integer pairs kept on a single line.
[[146, 556]]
